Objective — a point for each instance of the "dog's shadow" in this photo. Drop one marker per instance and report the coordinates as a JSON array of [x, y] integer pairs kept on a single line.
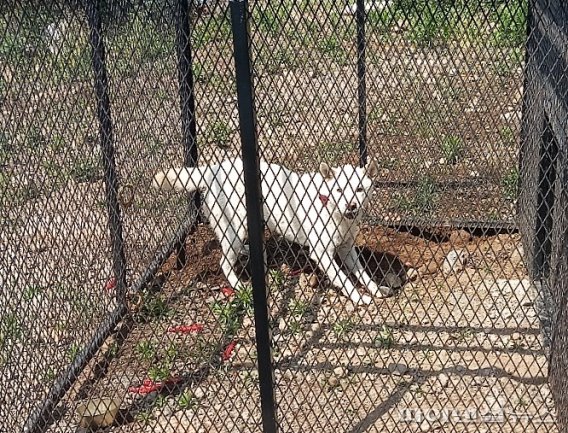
[[385, 268]]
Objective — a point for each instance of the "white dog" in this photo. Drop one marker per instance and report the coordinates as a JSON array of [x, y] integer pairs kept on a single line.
[[318, 210]]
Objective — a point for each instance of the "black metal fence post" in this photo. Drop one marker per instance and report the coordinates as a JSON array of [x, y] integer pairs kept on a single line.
[[107, 147], [41, 417], [253, 192], [361, 83], [187, 104]]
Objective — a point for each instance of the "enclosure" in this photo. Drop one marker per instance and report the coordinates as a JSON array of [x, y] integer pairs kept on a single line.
[[113, 290]]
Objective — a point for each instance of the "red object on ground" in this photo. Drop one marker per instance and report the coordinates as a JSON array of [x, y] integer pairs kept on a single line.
[[227, 291], [149, 385], [110, 284], [226, 355], [186, 329]]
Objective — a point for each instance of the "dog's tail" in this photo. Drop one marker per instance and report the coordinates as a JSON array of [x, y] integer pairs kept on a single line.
[[182, 179]]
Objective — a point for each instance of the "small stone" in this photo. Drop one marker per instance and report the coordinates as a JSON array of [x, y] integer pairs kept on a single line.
[[429, 268], [313, 280], [411, 274], [315, 327], [340, 372], [333, 381], [443, 379], [309, 334], [199, 392], [361, 351], [442, 161], [455, 261], [282, 324], [516, 336], [397, 369]]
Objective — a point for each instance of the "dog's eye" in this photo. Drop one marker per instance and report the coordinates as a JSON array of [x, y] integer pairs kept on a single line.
[[339, 190], [360, 189]]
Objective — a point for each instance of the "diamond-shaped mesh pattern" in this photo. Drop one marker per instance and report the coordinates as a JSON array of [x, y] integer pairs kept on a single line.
[[423, 291]]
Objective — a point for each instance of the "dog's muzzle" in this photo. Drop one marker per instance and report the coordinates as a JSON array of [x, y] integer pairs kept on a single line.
[[351, 214]]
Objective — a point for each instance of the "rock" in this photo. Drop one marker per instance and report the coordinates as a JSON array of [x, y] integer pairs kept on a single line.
[[315, 327], [313, 280], [443, 380], [333, 381], [340, 372], [442, 161], [397, 369], [429, 268], [455, 261], [516, 336], [282, 324], [199, 392], [460, 237], [411, 274]]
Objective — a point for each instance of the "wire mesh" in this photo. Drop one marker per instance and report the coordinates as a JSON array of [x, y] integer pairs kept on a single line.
[[431, 318]]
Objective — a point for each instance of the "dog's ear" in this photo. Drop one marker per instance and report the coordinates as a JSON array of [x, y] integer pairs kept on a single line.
[[372, 169], [326, 171]]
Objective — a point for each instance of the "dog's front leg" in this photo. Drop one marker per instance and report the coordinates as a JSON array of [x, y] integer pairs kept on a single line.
[[350, 258], [337, 277]]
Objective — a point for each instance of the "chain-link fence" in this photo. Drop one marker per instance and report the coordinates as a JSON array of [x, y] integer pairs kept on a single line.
[[128, 308]]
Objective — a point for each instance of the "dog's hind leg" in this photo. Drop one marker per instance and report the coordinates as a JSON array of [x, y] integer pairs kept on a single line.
[[350, 258]]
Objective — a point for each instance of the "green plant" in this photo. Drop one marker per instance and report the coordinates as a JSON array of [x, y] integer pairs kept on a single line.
[[422, 200], [86, 170], [510, 183], [155, 307], [343, 327], [187, 400], [220, 133], [385, 337], [160, 372], [144, 416], [510, 23], [244, 298], [146, 350], [31, 292], [10, 329], [299, 307], [72, 351], [172, 352], [227, 314], [295, 326], [276, 278], [452, 148]]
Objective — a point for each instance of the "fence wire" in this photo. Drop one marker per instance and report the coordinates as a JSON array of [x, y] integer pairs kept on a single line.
[[410, 236]]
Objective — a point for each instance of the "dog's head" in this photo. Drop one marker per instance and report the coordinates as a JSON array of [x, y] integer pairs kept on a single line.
[[348, 188]]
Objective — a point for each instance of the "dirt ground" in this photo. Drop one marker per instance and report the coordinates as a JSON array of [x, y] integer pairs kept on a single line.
[[457, 350]]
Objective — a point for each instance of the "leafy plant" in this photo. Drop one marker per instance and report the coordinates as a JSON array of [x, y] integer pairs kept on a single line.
[[146, 350], [422, 200], [452, 148], [510, 183], [187, 400], [299, 307], [343, 327], [220, 133], [385, 338]]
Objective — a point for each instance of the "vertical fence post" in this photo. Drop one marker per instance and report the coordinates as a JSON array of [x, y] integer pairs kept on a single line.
[[40, 417], [187, 105], [253, 193], [107, 147], [361, 83]]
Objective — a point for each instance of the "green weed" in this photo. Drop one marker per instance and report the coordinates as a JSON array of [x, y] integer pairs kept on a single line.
[[452, 148]]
